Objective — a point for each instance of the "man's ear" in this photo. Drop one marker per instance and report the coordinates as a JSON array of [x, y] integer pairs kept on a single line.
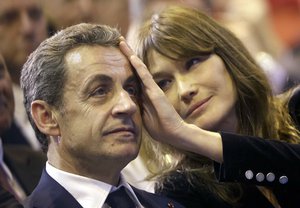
[[44, 118]]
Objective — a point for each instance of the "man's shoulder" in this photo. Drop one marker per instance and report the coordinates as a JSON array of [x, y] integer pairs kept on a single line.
[[48, 193]]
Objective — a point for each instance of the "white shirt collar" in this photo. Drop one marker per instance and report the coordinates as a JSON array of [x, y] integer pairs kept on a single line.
[[88, 192]]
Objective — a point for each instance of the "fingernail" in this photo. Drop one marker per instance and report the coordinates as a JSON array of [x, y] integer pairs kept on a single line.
[[121, 38]]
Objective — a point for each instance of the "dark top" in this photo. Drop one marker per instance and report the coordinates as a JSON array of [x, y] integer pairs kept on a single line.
[[253, 162], [25, 164]]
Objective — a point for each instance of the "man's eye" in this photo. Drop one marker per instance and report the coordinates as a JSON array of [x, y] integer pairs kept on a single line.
[[35, 13], [132, 90], [164, 84], [9, 17], [100, 91]]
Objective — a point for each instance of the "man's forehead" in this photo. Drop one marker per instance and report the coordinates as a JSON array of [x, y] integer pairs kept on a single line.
[[87, 60], [84, 56]]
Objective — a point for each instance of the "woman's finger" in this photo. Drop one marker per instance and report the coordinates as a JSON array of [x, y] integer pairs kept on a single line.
[[139, 67]]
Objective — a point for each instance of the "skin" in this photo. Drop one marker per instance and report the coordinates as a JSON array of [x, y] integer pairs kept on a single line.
[[101, 123], [6, 97], [199, 88], [22, 28]]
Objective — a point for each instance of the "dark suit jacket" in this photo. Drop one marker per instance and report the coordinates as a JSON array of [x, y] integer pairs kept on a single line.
[[242, 153], [25, 164], [51, 194]]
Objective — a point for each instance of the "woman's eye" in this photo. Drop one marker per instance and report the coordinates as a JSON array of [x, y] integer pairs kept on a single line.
[[193, 61], [163, 84]]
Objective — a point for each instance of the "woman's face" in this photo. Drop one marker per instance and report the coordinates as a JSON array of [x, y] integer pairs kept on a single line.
[[199, 88]]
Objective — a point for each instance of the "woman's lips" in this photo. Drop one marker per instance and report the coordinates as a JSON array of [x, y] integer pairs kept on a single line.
[[196, 106]]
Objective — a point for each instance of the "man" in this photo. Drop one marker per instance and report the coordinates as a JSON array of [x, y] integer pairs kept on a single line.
[[6, 117], [82, 100], [22, 28]]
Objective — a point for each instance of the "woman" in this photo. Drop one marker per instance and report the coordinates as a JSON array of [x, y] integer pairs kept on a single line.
[[215, 86]]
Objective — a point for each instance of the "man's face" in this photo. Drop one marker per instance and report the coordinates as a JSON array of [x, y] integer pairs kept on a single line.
[[22, 28], [109, 12], [6, 98], [101, 120], [77, 11]]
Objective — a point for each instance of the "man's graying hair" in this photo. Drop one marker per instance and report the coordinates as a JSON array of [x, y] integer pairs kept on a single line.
[[43, 75]]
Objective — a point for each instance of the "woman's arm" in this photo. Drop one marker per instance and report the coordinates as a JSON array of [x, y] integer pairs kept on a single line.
[[259, 161]]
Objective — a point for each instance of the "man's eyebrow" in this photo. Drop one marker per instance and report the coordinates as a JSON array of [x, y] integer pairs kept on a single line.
[[98, 77], [156, 75], [131, 79]]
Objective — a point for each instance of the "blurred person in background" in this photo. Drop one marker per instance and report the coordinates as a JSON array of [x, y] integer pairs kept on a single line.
[[64, 13], [22, 28], [257, 34], [7, 199], [17, 163]]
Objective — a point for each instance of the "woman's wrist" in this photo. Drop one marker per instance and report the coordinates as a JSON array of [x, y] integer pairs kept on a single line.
[[200, 141]]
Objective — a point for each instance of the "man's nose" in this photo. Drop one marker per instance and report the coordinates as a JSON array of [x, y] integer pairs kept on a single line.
[[26, 23], [186, 89], [124, 104]]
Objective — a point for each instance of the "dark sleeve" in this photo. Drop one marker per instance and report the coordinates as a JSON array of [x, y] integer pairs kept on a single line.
[[258, 161], [7, 200]]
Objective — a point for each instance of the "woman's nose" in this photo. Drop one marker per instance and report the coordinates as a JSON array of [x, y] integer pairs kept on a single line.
[[187, 90]]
